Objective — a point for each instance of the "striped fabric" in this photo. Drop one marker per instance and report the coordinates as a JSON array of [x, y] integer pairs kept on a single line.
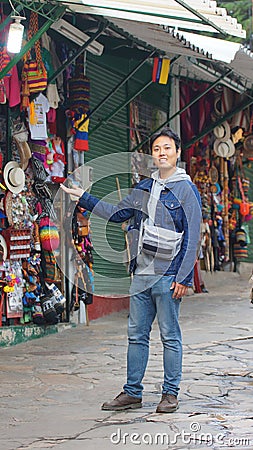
[[36, 77], [34, 74], [240, 252], [79, 88], [161, 70], [79, 93], [4, 59]]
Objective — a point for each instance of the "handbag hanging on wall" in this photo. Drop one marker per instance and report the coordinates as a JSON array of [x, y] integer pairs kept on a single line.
[[34, 74]]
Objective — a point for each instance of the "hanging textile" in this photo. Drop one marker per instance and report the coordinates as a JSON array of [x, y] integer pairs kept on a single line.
[[161, 70]]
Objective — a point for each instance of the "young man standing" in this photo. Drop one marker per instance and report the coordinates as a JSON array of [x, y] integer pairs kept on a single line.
[[166, 214]]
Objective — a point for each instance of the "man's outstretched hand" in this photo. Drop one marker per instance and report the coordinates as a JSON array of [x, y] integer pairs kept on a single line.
[[77, 191]]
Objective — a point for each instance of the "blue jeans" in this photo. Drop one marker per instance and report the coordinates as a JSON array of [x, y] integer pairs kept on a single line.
[[148, 300]]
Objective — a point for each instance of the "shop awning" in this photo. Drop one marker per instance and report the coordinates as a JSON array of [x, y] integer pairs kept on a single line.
[[201, 57], [200, 15], [183, 43], [165, 25]]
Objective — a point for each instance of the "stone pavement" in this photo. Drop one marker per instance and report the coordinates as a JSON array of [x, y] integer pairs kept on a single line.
[[51, 388]]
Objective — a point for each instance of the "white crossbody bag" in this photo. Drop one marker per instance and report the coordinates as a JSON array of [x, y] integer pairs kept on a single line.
[[160, 242]]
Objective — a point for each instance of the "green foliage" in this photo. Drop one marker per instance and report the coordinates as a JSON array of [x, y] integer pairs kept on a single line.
[[242, 11]]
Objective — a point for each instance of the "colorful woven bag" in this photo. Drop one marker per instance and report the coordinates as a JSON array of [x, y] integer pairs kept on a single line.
[[240, 252], [34, 74], [79, 88], [49, 235]]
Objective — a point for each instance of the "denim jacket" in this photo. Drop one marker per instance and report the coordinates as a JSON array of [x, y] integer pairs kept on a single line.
[[178, 209]]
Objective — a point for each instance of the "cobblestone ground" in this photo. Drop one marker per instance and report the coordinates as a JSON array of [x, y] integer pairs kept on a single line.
[[52, 388]]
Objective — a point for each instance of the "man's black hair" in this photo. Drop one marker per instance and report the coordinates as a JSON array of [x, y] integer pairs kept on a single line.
[[166, 132]]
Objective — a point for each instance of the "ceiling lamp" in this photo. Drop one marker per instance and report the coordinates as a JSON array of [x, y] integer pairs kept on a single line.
[[16, 31], [15, 35]]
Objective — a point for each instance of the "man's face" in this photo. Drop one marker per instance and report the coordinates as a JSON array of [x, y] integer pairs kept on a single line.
[[164, 153]]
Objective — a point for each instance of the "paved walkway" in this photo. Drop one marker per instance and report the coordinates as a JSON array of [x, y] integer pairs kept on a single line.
[[51, 388]]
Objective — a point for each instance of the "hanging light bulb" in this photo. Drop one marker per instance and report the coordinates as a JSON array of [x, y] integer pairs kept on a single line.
[[15, 35]]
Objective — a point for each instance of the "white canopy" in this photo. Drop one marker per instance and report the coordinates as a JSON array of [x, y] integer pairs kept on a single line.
[[200, 15]]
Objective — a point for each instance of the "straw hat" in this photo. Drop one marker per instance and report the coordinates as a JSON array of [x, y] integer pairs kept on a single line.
[[224, 149], [8, 207], [14, 177], [24, 153], [222, 131], [248, 146], [217, 106], [4, 247]]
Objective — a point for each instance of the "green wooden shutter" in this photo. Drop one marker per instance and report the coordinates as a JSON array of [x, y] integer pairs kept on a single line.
[[110, 277], [105, 73]]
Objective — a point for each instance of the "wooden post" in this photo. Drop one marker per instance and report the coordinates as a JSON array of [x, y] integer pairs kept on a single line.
[[125, 234], [80, 273], [225, 217]]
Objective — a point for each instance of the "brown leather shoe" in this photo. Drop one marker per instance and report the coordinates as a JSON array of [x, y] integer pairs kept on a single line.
[[168, 404], [121, 402]]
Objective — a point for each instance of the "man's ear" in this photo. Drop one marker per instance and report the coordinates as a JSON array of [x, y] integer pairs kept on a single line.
[[178, 153]]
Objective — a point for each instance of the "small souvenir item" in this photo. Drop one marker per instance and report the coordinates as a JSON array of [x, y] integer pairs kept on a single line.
[[80, 128], [59, 162]]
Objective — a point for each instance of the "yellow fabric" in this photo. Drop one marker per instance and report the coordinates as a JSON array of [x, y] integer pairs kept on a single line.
[[33, 116], [165, 70], [85, 125]]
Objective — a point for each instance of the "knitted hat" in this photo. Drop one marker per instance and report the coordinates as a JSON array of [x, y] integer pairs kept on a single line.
[[49, 236]]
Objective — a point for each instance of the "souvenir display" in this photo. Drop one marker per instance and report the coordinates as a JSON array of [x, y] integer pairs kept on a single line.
[[218, 169], [45, 117], [28, 233]]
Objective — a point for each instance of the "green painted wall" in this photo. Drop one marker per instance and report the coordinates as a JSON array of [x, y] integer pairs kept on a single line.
[[13, 335]]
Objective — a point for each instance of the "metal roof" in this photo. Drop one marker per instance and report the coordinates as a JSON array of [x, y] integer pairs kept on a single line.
[[205, 51], [183, 43], [164, 24], [199, 15]]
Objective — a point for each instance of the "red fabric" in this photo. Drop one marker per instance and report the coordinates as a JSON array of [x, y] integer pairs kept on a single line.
[[51, 121], [58, 156], [197, 276], [81, 145], [155, 67], [51, 115], [195, 118], [52, 128], [12, 87]]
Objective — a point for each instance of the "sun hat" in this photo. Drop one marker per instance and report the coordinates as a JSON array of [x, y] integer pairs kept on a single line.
[[4, 247], [222, 131], [222, 148], [24, 153], [8, 207], [248, 146], [217, 106], [14, 177]]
